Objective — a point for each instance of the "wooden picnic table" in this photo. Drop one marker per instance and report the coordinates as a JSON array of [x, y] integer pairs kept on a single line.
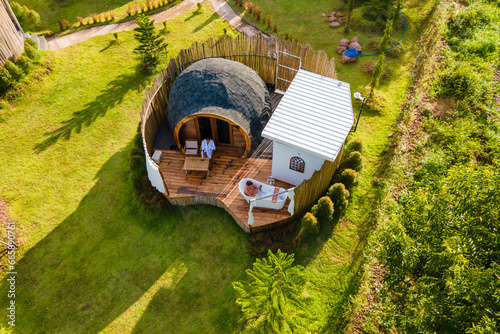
[[196, 163]]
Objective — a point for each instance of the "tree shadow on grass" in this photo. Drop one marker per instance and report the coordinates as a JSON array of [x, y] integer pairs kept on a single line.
[[96, 267], [108, 98], [212, 18]]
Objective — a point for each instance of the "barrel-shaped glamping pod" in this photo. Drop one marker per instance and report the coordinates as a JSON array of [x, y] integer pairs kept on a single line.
[[220, 99]]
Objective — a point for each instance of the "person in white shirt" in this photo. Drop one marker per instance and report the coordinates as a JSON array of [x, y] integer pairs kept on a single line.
[[207, 147]]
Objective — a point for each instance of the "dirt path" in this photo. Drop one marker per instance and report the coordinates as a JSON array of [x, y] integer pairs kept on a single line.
[[221, 7]]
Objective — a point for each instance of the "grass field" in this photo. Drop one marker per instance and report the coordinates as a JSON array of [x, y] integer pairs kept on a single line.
[[93, 259], [91, 251]]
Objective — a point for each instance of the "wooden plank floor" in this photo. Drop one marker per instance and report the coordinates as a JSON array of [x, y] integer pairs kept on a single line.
[[226, 170]]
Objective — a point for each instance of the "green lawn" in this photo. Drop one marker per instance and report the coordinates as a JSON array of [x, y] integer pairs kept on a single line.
[[93, 259], [53, 11]]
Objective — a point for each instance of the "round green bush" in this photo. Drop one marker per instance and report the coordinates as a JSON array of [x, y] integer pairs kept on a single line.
[[349, 177], [356, 145], [32, 53], [31, 42], [309, 225], [353, 161], [137, 166], [14, 70], [339, 196], [24, 63], [6, 80], [323, 211]]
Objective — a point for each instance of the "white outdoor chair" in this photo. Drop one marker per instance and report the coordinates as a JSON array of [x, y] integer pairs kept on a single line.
[[191, 147]]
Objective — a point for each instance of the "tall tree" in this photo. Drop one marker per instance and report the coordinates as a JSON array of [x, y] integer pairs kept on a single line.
[[274, 295], [350, 7], [152, 44]]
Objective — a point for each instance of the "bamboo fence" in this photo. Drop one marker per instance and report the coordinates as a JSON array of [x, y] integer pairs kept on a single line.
[[259, 53], [11, 41]]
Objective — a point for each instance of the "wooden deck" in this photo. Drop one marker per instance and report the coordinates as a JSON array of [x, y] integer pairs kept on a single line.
[[221, 187]]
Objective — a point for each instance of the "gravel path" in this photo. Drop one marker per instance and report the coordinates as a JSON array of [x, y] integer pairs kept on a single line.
[[221, 7]]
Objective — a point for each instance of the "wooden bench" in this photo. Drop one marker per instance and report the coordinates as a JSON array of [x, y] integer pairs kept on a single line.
[[195, 163]]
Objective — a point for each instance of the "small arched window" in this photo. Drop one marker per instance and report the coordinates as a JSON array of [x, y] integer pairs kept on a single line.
[[297, 164]]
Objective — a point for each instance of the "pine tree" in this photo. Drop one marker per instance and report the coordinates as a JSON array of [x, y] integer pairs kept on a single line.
[[152, 45], [274, 296]]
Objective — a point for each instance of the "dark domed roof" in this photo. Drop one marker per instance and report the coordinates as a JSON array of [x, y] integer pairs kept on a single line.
[[225, 88]]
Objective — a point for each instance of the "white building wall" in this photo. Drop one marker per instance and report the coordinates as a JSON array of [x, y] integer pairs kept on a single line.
[[281, 163]]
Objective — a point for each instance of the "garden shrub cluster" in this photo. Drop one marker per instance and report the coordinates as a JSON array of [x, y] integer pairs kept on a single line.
[[329, 208], [12, 72], [440, 243]]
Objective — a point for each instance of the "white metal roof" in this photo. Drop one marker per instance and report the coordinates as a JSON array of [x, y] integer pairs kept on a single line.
[[315, 115]]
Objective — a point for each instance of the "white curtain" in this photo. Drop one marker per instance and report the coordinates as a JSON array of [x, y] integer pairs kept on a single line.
[[250, 214], [154, 175], [291, 196]]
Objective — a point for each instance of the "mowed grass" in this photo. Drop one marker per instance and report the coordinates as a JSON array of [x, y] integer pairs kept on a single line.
[[92, 259], [54, 11], [334, 263]]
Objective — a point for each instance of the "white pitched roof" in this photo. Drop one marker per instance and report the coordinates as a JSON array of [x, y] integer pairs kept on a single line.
[[314, 115]]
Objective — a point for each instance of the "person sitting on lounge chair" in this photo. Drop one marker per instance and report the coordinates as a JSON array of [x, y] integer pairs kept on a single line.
[[251, 190]]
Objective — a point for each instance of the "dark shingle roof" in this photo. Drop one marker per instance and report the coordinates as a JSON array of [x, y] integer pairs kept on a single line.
[[222, 87]]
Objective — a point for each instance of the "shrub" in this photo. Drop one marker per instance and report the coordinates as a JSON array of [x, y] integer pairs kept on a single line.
[[353, 161], [339, 196], [356, 145], [275, 27], [268, 22], [199, 6], [32, 42], [323, 211], [32, 53], [6, 80], [239, 2], [308, 225], [24, 63], [257, 12], [136, 151], [33, 17], [14, 70], [249, 6], [349, 178], [128, 10]]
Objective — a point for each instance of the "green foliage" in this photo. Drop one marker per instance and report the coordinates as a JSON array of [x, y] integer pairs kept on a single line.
[[309, 225], [25, 64], [378, 10], [353, 161], [272, 299], [349, 177], [378, 70], [137, 157], [356, 145], [461, 80], [442, 252], [151, 44], [339, 196], [31, 42], [26, 17], [323, 210], [14, 70], [32, 53], [6, 80]]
